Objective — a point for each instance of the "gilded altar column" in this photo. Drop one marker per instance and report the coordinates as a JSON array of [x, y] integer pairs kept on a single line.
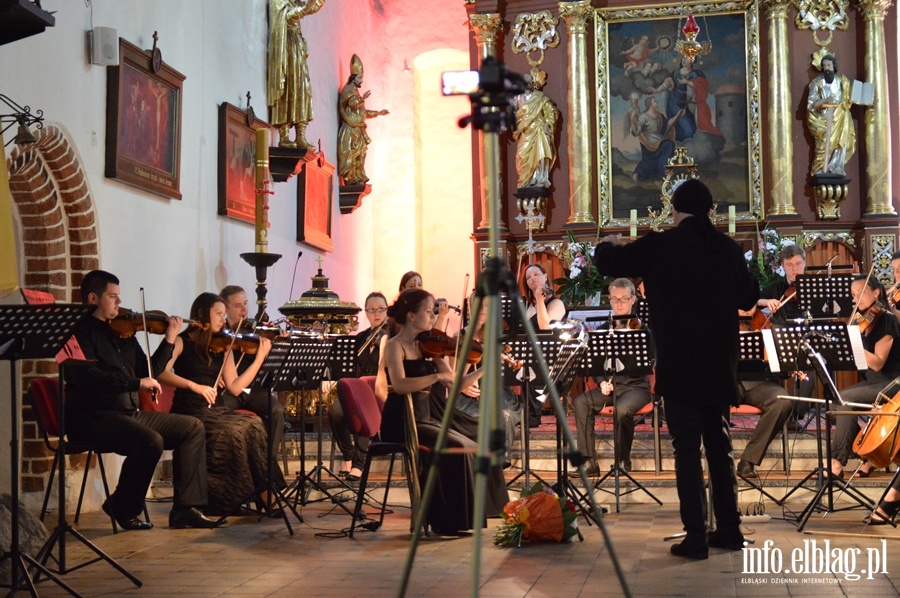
[[487, 29], [578, 114], [781, 143], [877, 117]]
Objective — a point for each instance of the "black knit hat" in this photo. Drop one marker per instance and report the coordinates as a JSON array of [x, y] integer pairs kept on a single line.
[[692, 197]]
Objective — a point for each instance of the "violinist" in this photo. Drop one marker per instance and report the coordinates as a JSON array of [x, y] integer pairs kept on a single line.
[[409, 371], [762, 394], [780, 298], [102, 408], [632, 392], [542, 305], [256, 401], [413, 280], [236, 444], [369, 343], [879, 330]]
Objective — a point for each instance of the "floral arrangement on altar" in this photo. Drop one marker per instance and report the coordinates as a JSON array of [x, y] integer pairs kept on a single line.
[[539, 515], [765, 266], [583, 283]]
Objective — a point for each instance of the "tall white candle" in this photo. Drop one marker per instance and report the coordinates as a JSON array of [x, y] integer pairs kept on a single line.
[[731, 218], [633, 231]]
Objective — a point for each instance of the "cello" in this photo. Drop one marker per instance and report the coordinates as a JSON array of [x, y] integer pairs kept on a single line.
[[879, 440]]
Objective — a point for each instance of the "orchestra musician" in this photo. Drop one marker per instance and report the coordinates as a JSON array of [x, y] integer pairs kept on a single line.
[[236, 444], [409, 371], [102, 408], [697, 352], [762, 394], [879, 329], [413, 280], [632, 392], [256, 401], [369, 344], [542, 306]]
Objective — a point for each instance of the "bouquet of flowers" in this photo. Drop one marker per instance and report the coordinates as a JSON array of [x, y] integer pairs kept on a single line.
[[539, 515], [582, 280], [765, 266]]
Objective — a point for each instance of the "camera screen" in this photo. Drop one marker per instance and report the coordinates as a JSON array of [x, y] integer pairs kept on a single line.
[[459, 82]]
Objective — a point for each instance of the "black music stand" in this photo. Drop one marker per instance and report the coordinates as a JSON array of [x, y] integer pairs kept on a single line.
[[618, 352], [752, 365], [812, 347], [33, 332], [523, 351], [825, 296]]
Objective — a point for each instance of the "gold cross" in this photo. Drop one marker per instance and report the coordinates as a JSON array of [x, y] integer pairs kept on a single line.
[[319, 260]]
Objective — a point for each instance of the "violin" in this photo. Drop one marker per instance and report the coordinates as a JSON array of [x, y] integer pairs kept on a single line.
[[374, 337], [247, 342], [893, 295], [128, 322], [865, 320], [437, 344]]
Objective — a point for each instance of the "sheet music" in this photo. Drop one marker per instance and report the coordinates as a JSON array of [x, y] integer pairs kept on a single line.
[[859, 352], [771, 353]]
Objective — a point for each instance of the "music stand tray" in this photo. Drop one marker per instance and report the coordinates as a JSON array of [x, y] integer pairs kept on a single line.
[[31, 332]]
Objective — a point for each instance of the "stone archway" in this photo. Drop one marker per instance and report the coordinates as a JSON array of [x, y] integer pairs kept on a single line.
[[55, 218]]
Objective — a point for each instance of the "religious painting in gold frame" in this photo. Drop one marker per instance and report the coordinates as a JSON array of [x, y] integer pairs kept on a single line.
[[237, 162], [143, 123], [641, 78], [315, 190]]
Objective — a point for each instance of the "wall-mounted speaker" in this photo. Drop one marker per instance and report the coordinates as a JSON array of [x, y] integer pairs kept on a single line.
[[104, 46]]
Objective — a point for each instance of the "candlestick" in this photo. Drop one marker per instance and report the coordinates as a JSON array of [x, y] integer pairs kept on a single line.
[[262, 189], [633, 231], [731, 217]]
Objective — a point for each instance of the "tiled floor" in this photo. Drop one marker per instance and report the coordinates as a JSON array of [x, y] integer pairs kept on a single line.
[[260, 559]]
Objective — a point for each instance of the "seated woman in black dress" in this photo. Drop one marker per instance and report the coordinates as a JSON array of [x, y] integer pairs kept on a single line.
[[368, 354], [408, 371], [235, 444]]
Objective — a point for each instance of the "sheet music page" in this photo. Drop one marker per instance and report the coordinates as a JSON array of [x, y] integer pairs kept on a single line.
[[859, 352], [771, 353]]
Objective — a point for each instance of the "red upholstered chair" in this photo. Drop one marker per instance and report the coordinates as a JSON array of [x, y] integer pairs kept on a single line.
[[651, 408], [362, 410], [44, 395]]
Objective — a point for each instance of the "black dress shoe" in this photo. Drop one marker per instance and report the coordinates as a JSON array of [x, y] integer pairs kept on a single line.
[[592, 470], [691, 550], [192, 517], [130, 524], [726, 540], [745, 469]]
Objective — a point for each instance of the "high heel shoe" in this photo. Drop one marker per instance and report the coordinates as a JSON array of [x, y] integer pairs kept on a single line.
[[884, 514], [864, 473]]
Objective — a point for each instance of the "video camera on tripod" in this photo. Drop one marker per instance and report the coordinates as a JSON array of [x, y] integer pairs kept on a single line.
[[491, 91]]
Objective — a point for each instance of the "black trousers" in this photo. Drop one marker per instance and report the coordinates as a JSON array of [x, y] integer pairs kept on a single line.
[[629, 401], [141, 438], [257, 402], [689, 424], [764, 396]]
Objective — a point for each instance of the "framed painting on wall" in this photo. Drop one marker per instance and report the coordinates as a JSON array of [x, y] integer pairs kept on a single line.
[[651, 100], [237, 162], [315, 189], [143, 123]]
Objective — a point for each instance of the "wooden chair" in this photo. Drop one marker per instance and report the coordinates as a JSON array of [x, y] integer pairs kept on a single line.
[[362, 409]]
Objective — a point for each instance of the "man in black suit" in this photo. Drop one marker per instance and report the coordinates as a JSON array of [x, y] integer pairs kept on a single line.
[[102, 407], [697, 351]]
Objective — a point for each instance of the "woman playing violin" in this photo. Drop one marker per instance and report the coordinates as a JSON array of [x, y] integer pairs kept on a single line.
[[542, 306], [409, 371], [236, 445], [369, 345], [413, 280], [882, 358]]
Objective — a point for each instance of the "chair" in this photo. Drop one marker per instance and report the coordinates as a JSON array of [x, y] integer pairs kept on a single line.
[[650, 408], [745, 410], [44, 395], [361, 407]]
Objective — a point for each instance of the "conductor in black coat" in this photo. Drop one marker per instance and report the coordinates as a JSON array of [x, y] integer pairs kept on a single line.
[[696, 279]]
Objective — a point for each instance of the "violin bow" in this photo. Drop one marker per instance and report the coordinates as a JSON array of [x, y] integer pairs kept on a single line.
[[147, 346], [225, 359], [462, 324], [255, 325], [856, 303]]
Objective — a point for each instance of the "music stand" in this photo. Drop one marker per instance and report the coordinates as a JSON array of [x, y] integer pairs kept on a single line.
[[523, 351], [840, 346], [32, 332], [292, 362], [825, 296], [618, 352]]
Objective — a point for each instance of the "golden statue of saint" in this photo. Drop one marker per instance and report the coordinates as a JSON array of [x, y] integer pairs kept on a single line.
[[289, 92], [828, 117], [352, 138], [536, 118]]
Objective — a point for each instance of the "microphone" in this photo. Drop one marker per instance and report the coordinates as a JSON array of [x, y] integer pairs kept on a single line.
[[294, 277]]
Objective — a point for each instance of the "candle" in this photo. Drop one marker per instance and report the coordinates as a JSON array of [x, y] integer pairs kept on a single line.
[[731, 216], [262, 189], [633, 231]]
